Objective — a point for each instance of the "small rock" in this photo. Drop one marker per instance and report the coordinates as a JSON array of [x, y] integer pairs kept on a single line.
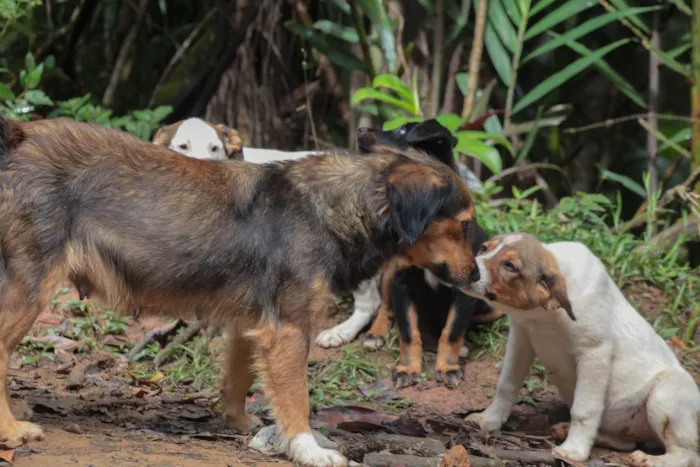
[[76, 378], [456, 457], [73, 428], [387, 459], [400, 444], [269, 441]]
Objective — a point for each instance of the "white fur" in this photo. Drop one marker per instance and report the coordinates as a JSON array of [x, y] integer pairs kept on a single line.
[[261, 156], [366, 302], [304, 448], [621, 381], [195, 138]]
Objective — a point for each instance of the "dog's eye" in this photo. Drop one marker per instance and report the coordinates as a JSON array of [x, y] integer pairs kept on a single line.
[[465, 226], [482, 249], [401, 131], [510, 267], [183, 146], [215, 149]]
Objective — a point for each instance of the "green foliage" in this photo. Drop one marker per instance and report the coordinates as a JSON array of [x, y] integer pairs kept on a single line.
[[13, 10], [25, 99]]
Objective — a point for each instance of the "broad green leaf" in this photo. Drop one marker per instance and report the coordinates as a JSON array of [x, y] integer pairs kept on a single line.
[[450, 121], [482, 135], [6, 93], [512, 9], [397, 122], [369, 108], [498, 18], [34, 77], [394, 83], [497, 53], [37, 97], [160, 112], [583, 29], [29, 61], [540, 5], [377, 14], [622, 84], [564, 12], [488, 155], [342, 4], [564, 75], [369, 93], [637, 21], [142, 115], [337, 30], [624, 181], [680, 136], [530, 140], [461, 79], [523, 8]]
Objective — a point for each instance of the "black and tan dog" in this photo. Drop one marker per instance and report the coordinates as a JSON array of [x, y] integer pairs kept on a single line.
[[418, 299], [260, 249]]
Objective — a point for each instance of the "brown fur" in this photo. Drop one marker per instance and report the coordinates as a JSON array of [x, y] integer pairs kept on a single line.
[[447, 365], [524, 275], [258, 248]]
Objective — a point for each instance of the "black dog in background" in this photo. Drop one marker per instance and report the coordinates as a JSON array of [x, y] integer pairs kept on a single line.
[[421, 303]]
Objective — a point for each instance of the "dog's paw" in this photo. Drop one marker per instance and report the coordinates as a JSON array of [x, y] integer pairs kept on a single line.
[[16, 433], [571, 451], [243, 424], [640, 459], [404, 377], [373, 342], [483, 422], [304, 449], [334, 337], [451, 378]]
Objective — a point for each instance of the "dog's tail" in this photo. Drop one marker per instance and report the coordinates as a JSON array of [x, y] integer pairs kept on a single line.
[[10, 137]]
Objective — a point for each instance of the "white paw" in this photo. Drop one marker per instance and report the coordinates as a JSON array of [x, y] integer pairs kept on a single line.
[[571, 451], [304, 449], [484, 422], [334, 337]]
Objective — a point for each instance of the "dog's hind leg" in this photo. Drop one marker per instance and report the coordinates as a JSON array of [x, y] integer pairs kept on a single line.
[[237, 381], [281, 359], [16, 318], [672, 408]]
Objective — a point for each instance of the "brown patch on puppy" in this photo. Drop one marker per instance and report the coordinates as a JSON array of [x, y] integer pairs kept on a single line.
[[232, 141], [518, 271], [411, 354]]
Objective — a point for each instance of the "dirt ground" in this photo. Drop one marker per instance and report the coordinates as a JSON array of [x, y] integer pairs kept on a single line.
[[114, 416]]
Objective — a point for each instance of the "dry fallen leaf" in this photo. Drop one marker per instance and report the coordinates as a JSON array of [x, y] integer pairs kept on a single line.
[[7, 455]]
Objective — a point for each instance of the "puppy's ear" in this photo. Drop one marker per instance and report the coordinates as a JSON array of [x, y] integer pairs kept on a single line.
[[430, 130], [415, 194], [161, 136], [232, 141], [553, 293]]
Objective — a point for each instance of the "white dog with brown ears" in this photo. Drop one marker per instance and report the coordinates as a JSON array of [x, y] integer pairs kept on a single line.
[[621, 381]]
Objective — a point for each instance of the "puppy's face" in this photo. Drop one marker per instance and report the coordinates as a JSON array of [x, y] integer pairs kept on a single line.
[[199, 139], [517, 271], [431, 210], [428, 136]]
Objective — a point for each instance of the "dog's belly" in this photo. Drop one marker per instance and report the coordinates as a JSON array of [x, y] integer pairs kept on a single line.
[[630, 423]]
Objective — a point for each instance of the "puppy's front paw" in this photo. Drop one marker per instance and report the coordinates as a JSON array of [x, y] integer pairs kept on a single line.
[[332, 338], [484, 422], [451, 378], [572, 451], [404, 376], [304, 449]]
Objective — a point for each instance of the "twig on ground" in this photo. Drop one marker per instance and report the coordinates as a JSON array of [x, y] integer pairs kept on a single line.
[[188, 333], [157, 334], [526, 457]]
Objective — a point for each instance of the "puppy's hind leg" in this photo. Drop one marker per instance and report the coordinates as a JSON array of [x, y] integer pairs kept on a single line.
[[237, 381], [672, 408], [366, 301], [281, 359]]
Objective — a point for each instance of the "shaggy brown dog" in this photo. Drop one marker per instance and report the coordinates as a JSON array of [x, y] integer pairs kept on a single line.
[[260, 249]]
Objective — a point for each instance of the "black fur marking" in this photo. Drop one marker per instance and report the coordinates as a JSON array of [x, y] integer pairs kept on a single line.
[[412, 209], [401, 301]]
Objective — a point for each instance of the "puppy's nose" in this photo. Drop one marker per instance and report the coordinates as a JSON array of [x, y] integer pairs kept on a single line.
[[474, 276], [362, 130]]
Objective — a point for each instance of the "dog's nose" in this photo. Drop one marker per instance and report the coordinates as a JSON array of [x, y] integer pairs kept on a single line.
[[362, 130], [474, 276]]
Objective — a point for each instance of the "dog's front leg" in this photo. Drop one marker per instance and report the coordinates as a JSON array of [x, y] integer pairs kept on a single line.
[[281, 359], [592, 378], [518, 360]]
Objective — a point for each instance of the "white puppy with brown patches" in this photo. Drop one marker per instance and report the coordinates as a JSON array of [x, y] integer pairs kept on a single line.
[[621, 381]]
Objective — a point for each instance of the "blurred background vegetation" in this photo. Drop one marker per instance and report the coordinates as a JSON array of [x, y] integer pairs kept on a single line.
[[548, 98]]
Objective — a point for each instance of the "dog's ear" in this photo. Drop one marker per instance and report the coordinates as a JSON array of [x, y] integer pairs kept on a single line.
[[552, 291], [415, 194], [232, 141], [430, 130], [161, 136]]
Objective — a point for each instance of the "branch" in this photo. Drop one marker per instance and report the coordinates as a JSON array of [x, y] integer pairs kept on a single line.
[[436, 75], [615, 121], [364, 43], [475, 59], [124, 53]]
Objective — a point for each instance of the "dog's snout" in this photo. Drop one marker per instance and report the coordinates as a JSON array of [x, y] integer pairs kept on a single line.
[[474, 276], [362, 130]]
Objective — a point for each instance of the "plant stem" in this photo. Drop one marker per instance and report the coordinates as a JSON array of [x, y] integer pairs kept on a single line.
[[695, 90], [652, 142], [436, 75], [475, 59], [522, 28], [364, 43]]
